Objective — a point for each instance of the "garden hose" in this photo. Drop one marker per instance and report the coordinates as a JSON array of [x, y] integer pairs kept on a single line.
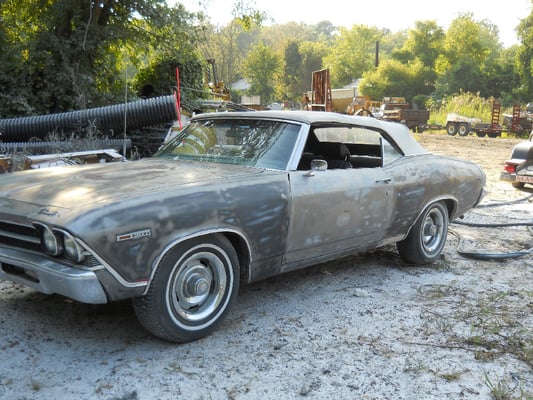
[[494, 256]]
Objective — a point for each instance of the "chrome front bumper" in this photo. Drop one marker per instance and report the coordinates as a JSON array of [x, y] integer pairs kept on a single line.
[[48, 276]]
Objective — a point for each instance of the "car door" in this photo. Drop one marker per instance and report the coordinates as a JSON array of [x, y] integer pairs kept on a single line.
[[336, 211]]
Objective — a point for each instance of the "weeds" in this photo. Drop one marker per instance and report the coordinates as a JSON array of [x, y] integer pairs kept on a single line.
[[493, 324]]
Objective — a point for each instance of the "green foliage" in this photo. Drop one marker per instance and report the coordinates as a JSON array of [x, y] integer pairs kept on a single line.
[[159, 78], [247, 15], [470, 59], [393, 78], [71, 54], [423, 42], [261, 67], [291, 79], [468, 104], [67, 54], [352, 54], [524, 58]]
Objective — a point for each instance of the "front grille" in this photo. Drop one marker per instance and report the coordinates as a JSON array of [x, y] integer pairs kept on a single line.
[[17, 235]]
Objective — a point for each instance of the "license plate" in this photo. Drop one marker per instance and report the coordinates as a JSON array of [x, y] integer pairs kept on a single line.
[[524, 178]]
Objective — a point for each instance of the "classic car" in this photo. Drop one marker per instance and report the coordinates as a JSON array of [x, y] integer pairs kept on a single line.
[[518, 169], [233, 198]]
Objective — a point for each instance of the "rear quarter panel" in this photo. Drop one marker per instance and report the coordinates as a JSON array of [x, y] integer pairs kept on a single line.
[[423, 179]]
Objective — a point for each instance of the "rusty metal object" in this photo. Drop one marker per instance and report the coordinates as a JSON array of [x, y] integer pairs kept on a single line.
[[5, 164]]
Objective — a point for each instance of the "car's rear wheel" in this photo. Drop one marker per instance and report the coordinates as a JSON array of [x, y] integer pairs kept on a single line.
[[192, 290], [425, 241]]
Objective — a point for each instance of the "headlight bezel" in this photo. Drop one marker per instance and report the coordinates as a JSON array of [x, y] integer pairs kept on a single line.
[[51, 243], [58, 242], [72, 248]]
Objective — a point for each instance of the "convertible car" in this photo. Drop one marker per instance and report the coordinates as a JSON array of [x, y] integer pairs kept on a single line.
[[233, 198]]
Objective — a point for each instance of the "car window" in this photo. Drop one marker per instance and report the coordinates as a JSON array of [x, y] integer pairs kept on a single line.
[[367, 147], [389, 152], [347, 134], [255, 143]]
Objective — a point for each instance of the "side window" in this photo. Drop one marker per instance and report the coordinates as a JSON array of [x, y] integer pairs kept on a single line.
[[366, 147]]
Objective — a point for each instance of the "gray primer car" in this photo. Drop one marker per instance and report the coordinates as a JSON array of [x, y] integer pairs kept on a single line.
[[235, 197]]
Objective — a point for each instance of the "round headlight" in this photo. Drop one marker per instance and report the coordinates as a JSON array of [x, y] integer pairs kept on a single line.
[[50, 242], [71, 248]]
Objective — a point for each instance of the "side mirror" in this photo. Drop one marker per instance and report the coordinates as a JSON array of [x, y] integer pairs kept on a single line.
[[319, 165]]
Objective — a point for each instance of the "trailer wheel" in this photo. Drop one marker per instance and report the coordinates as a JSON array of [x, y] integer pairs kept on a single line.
[[493, 134], [480, 134], [451, 128], [464, 129]]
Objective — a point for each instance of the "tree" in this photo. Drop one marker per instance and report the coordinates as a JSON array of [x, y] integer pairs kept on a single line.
[[352, 54], [394, 78], [291, 79], [524, 58], [312, 55], [261, 68], [73, 54], [468, 52], [424, 42]]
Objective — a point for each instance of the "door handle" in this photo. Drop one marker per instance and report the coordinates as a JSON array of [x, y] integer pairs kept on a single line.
[[385, 180]]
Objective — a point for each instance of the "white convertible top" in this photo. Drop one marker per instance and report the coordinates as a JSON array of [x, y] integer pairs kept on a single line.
[[399, 133]]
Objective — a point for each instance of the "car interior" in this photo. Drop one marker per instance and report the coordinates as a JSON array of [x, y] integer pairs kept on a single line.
[[342, 148]]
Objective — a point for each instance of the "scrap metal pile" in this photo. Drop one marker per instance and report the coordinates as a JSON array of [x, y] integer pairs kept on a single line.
[[141, 124]]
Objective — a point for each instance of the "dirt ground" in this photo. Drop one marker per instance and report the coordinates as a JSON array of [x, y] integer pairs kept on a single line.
[[365, 327]]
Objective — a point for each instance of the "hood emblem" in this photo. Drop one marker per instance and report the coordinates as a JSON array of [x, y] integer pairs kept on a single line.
[[48, 212], [133, 235]]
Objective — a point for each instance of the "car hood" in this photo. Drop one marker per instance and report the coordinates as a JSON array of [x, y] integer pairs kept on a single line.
[[77, 187]]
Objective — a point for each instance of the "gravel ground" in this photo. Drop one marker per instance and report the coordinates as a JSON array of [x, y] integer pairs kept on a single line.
[[365, 327]]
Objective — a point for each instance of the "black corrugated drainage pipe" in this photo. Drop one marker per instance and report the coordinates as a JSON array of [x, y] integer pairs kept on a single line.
[[142, 113]]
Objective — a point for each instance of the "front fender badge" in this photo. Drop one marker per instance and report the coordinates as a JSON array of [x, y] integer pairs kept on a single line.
[[133, 235]]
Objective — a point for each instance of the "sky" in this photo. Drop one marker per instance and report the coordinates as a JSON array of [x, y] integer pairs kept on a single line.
[[395, 15]]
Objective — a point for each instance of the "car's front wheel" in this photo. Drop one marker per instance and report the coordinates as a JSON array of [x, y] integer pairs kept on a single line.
[[425, 241], [192, 290]]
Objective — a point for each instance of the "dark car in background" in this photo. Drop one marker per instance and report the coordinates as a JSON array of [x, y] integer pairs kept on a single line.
[[518, 169], [233, 198]]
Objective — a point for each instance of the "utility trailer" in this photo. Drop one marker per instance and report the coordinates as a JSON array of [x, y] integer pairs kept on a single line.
[[458, 124]]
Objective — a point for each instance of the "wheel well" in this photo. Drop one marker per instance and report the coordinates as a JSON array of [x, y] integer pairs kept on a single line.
[[237, 241], [243, 252], [451, 206]]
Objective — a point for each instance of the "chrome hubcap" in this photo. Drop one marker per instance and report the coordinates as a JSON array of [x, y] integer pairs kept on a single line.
[[433, 230], [198, 286]]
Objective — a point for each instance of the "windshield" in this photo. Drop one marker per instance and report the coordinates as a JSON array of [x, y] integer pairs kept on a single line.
[[254, 143]]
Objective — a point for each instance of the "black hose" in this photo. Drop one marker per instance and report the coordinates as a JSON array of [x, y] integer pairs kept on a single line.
[[489, 256], [505, 202], [479, 225], [493, 256]]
